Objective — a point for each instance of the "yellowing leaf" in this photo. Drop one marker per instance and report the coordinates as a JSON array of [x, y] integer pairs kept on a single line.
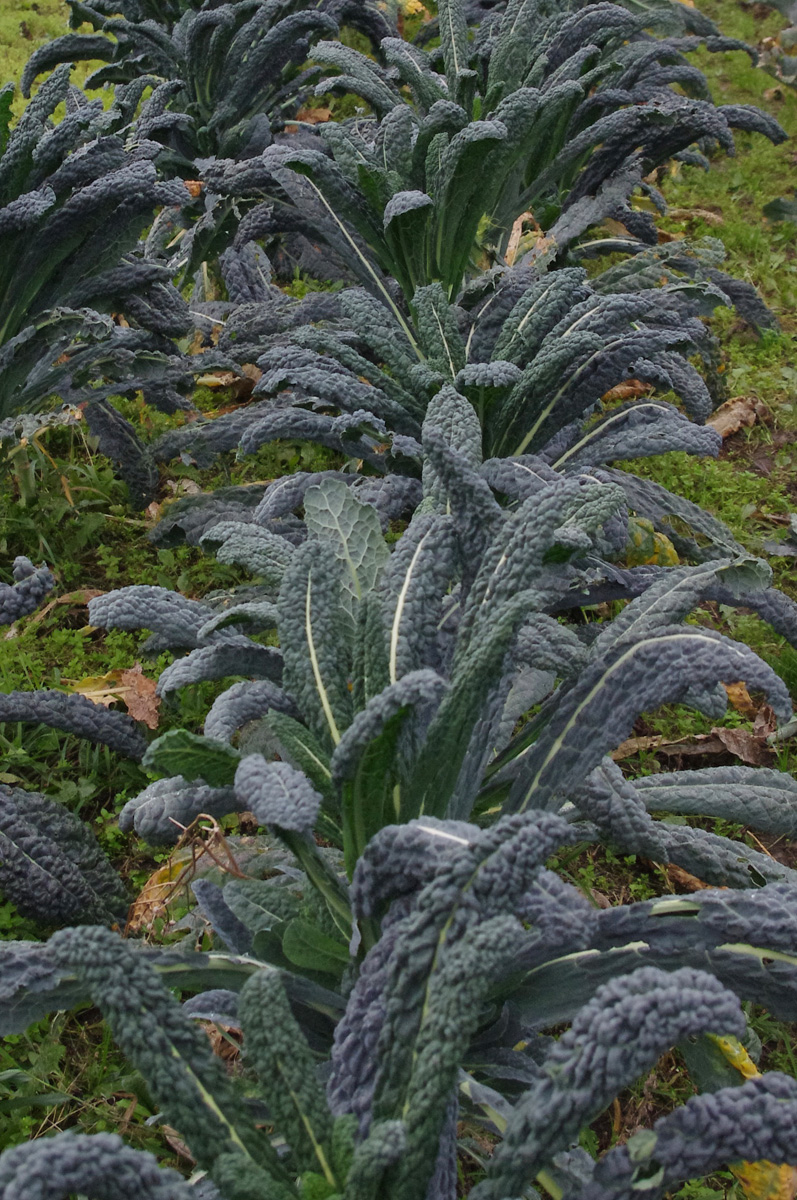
[[767, 1181], [734, 1052], [130, 687], [740, 699], [760, 1180], [646, 545], [153, 899], [101, 689]]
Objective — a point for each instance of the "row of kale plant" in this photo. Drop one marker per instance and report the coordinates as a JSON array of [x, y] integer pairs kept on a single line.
[[421, 724]]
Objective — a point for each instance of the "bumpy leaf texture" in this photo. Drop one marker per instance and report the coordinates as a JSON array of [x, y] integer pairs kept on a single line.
[[51, 867], [165, 807], [286, 1069], [752, 1123], [119, 441], [173, 617], [160, 1041], [238, 655], [31, 585], [618, 1036], [277, 794], [74, 713], [99, 1166], [243, 702], [664, 663]]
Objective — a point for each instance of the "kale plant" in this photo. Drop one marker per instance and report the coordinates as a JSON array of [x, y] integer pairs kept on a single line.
[[532, 351], [400, 678], [31, 584], [477, 938], [51, 866], [222, 73], [67, 711], [73, 204], [547, 114]]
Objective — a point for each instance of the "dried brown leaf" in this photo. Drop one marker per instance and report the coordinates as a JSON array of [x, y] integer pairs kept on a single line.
[[693, 214], [684, 880], [635, 745], [745, 746], [630, 390], [153, 899], [737, 413], [140, 696], [765, 722], [314, 116]]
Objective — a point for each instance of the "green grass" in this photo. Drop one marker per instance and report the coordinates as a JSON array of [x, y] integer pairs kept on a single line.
[[65, 1072], [25, 25], [756, 475]]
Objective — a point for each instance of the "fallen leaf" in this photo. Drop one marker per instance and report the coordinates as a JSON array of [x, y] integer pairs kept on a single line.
[[314, 116], [80, 597], [177, 1144], [153, 899], [738, 742], [702, 746], [767, 1181], [128, 686], [765, 722], [101, 689], [193, 186], [183, 487], [635, 745], [692, 214], [684, 879], [736, 414], [219, 379], [141, 696], [745, 746], [220, 1044], [773, 93], [630, 390], [241, 382], [741, 700]]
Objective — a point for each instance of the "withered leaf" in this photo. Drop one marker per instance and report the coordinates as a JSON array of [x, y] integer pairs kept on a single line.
[[140, 696]]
